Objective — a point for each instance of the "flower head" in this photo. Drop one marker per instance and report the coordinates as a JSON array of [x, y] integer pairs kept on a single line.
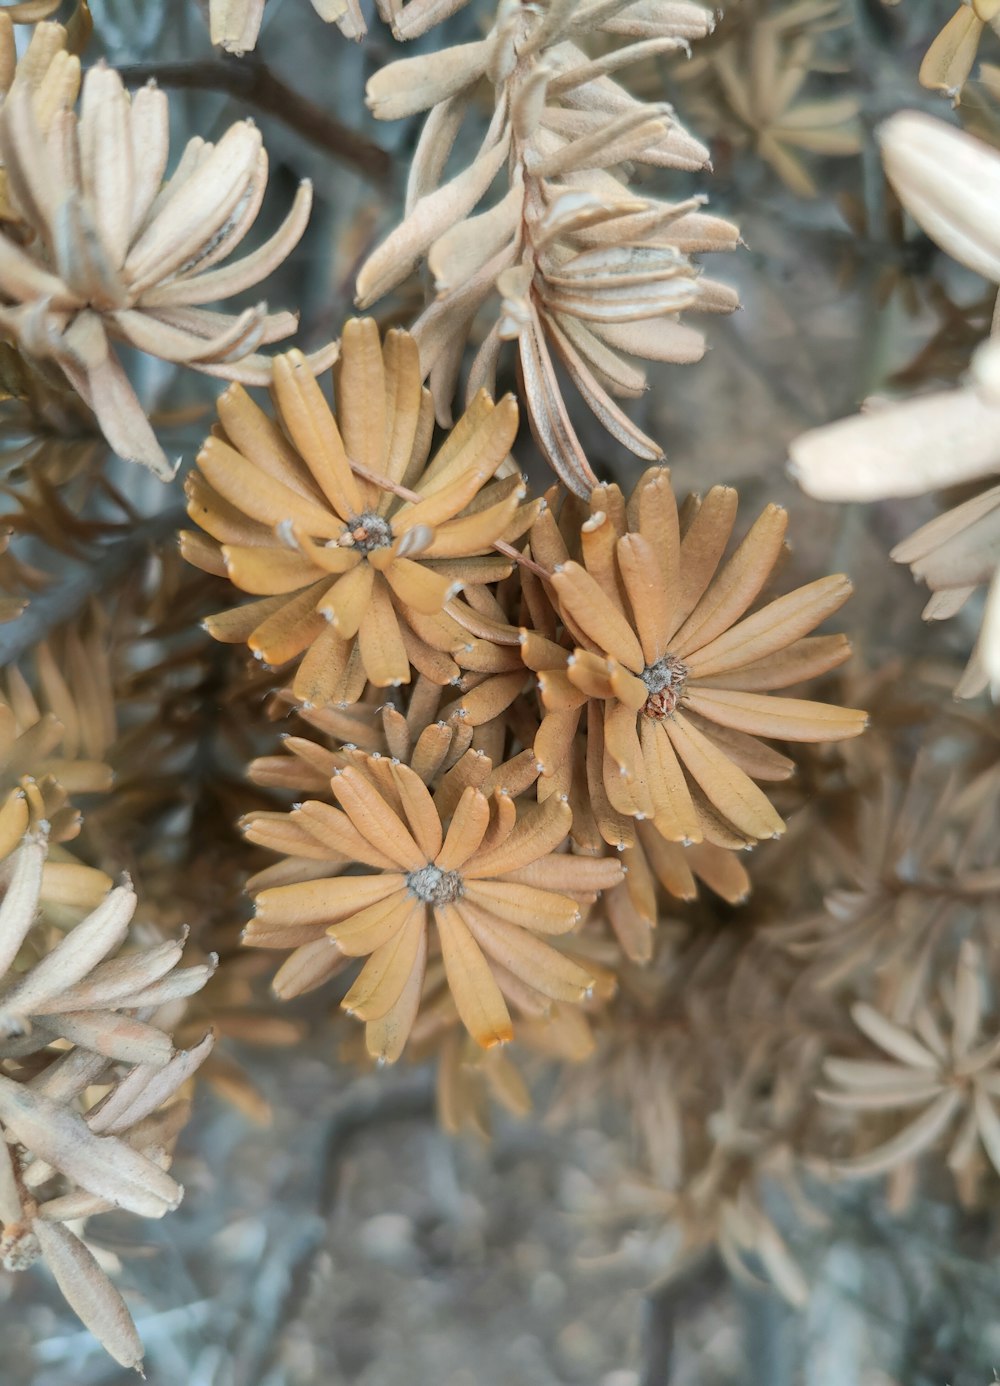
[[480, 882], [950, 183], [587, 270], [677, 679], [75, 1017], [353, 542], [115, 256], [950, 1075]]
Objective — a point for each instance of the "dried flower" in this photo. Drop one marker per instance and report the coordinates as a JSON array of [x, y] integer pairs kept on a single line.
[[950, 183], [718, 1093], [114, 256], [759, 71], [585, 268], [489, 878], [952, 1078], [675, 677], [913, 862], [632, 907], [355, 546], [74, 1017]]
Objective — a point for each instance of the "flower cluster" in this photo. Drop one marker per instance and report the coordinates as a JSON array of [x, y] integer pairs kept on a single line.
[[625, 613], [589, 272]]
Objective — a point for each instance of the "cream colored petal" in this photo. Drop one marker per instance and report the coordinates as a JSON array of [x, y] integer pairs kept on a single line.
[[949, 182]]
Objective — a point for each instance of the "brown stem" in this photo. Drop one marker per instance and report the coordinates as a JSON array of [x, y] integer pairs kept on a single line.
[[253, 82]]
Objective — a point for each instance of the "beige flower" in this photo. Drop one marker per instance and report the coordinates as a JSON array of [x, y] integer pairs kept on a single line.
[[759, 73], [952, 1077], [353, 543], [588, 271], [75, 1018], [950, 183], [676, 678], [115, 256], [487, 877], [948, 61]]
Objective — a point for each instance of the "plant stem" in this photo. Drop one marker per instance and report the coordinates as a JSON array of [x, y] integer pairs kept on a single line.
[[254, 84]]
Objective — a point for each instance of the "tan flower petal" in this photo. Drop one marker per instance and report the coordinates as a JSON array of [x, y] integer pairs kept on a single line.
[[391, 969], [736, 584], [314, 432], [527, 957], [478, 999], [374, 926], [385, 1038], [726, 786], [466, 832], [539, 831], [791, 719], [375, 819], [593, 612], [516, 902], [322, 902], [383, 653], [90, 1293]]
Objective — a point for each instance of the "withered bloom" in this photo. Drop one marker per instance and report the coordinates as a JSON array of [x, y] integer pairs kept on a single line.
[[676, 677], [44, 758], [115, 256], [950, 183], [950, 1075], [355, 544], [748, 87], [74, 1017], [588, 271], [488, 878]]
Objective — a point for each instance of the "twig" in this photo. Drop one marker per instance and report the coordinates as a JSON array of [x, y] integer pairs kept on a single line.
[[253, 82]]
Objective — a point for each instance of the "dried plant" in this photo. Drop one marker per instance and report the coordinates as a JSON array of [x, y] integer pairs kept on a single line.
[[949, 1071], [354, 542], [748, 83], [235, 24], [487, 766], [718, 1092], [585, 268], [116, 257], [85, 1076], [915, 854], [489, 876], [675, 676], [949, 182], [53, 745]]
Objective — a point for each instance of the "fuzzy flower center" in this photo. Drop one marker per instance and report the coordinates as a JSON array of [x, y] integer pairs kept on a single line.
[[665, 680], [366, 532], [434, 886]]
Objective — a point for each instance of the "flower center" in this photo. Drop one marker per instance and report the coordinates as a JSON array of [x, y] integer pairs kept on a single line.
[[434, 886], [665, 680], [366, 531]]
